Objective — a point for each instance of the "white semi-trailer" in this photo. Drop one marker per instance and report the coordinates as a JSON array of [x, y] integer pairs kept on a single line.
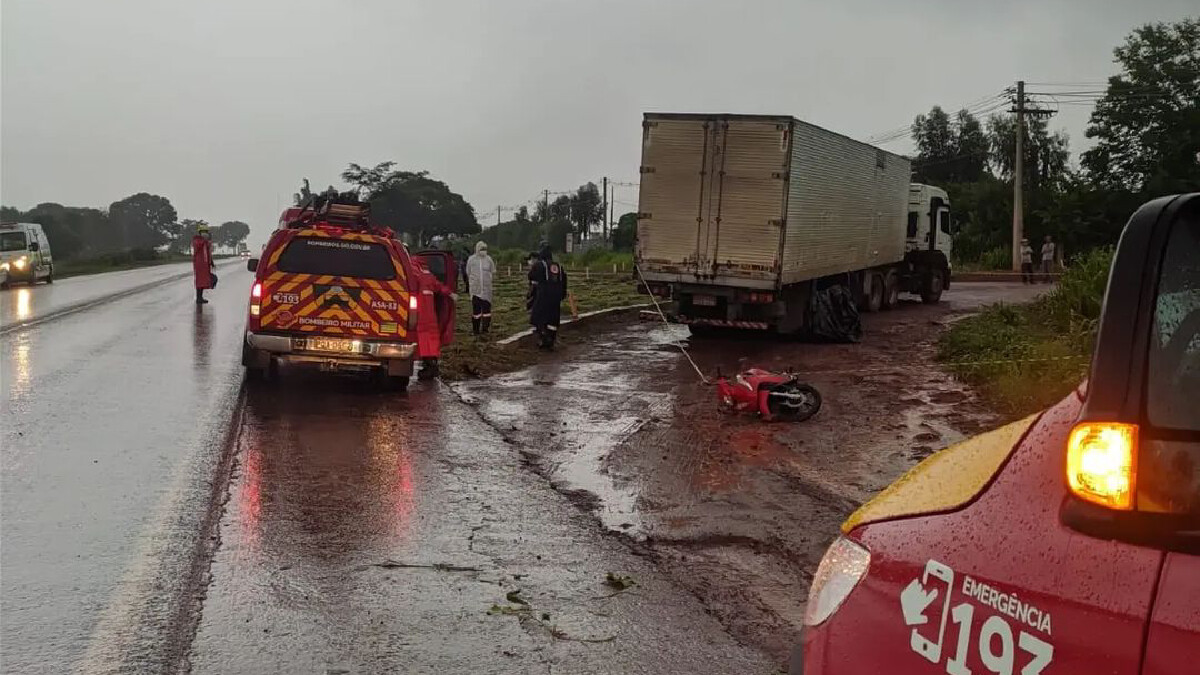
[[742, 217]]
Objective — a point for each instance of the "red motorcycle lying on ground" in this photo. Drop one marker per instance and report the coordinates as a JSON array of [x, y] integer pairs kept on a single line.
[[774, 396]]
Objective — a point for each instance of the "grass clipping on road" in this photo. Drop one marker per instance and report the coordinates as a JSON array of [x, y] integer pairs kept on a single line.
[[1023, 358], [470, 356]]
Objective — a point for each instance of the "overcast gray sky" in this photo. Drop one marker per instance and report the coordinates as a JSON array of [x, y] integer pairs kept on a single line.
[[223, 106]]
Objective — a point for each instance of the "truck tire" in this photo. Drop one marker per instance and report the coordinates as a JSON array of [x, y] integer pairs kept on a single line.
[[259, 366], [931, 294], [891, 290], [50, 275], [702, 331], [874, 300]]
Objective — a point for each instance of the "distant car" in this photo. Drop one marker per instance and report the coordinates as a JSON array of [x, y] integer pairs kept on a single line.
[[25, 254], [1065, 543], [333, 292]]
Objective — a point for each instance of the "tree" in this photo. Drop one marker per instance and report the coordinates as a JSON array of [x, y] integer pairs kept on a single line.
[[624, 235], [144, 220], [935, 145], [230, 233], [587, 209], [970, 149], [1147, 124], [949, 152], [412, 202], [74, 231], [1046, 154]]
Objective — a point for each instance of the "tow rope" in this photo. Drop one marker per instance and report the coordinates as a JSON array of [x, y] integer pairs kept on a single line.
[[663, 316]]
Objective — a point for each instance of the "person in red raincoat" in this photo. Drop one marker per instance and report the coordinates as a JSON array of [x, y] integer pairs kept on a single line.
[[202, 262], [435, 321]]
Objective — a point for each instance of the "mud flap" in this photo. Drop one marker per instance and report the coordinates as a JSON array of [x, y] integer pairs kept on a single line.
[[400, 368]]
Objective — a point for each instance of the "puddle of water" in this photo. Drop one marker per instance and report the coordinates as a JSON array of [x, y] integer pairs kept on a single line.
[[571, 416], [580, 465]]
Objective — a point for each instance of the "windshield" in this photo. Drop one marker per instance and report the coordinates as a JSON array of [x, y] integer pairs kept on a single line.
[[12, 241], [318, 255]]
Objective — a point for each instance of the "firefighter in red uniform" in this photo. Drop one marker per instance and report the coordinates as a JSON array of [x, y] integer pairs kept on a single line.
[[435, 321], [202, 262]]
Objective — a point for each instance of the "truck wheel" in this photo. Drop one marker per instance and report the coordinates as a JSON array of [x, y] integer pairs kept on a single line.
[[891, 290], [702, 331], [932, 293], [874, 300], [50, 276]]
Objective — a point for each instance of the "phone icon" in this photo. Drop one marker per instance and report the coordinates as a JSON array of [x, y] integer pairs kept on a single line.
[[935, 575]]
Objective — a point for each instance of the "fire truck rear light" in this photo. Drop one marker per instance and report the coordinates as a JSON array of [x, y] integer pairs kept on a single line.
[[256, 290], [412, 302], [1102, 463], [254, 310]]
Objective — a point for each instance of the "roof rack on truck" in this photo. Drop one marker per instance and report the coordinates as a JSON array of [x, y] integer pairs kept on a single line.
[[332, 210]]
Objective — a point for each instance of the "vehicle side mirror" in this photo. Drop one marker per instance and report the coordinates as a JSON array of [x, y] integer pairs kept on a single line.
[[252, 264], [33, 246], [1133, 458]]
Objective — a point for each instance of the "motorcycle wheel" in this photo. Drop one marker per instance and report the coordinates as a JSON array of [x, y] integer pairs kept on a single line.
[[793, 401]]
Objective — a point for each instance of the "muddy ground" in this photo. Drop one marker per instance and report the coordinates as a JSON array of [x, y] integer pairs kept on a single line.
[[737, 511]]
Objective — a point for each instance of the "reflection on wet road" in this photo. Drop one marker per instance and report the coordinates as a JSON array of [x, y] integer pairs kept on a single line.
[[109, 420], [22, 303], [369, 533]]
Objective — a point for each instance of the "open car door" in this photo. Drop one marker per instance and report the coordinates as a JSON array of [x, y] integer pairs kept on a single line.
[[443, 266]]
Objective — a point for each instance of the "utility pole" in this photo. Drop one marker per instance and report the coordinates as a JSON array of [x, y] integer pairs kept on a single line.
[[546, 214], [604, 209], [497, 215], [1018, 219]]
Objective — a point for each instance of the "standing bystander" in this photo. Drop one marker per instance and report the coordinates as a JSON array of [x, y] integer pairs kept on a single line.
[[480, 270], [1026, 262], [1048, 259]]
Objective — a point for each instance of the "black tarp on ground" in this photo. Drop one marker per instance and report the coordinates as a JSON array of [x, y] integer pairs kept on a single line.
[[833, 315]]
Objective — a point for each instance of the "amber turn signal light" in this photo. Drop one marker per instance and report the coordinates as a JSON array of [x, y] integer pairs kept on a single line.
[[1102, 464]]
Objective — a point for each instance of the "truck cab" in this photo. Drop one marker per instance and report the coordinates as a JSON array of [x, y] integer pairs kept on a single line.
[[929, 224]]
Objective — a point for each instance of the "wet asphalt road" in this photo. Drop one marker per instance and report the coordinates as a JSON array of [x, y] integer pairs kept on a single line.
[[385, 534], [24, 304], [160, 517], [113, 423]]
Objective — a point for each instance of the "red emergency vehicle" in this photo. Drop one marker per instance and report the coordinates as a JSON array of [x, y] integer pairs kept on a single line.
[[1067, 542], [335, 291]]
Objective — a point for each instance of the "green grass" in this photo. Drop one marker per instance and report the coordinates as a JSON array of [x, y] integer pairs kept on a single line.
[[74, 268], [470, 356], [1023, 358]]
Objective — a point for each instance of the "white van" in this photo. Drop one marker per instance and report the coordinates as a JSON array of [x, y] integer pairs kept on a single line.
[[24, 254]]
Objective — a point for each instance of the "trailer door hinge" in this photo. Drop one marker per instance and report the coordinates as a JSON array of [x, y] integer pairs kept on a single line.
[[646, 169], [643, 215], [778, 221], [781, 175]]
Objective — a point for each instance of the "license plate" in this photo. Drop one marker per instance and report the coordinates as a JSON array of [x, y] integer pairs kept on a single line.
[[332, 345], [704, 300]]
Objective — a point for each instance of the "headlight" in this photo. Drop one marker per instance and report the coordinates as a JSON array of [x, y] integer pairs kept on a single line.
[[19, 263], [4, 266], [840, 570]]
